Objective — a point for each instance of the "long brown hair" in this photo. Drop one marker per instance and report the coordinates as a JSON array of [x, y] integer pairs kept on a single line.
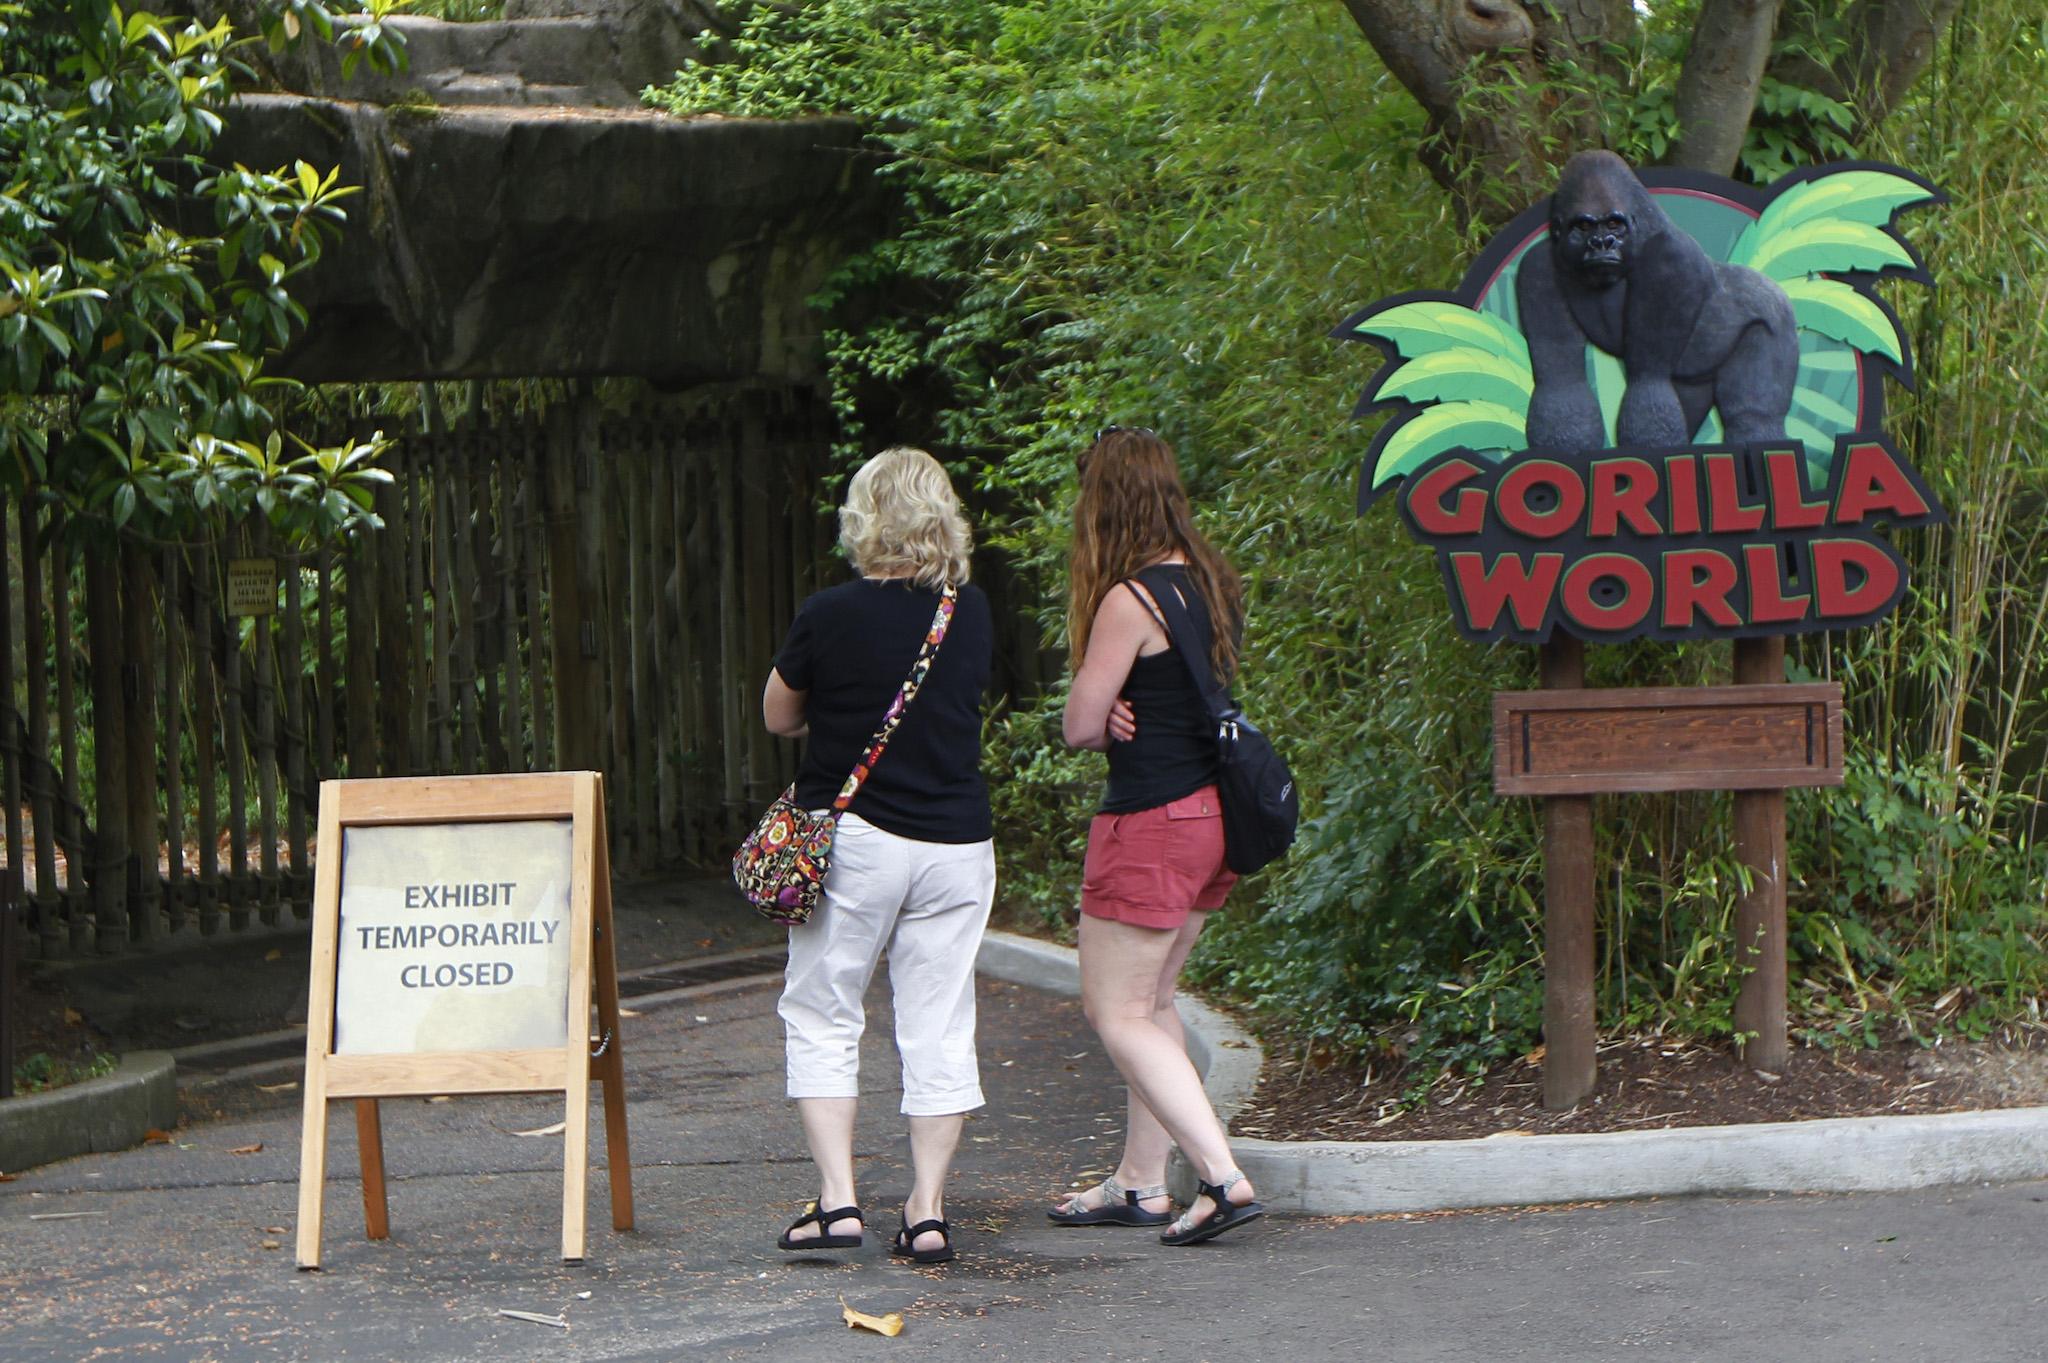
[[1132, 511]]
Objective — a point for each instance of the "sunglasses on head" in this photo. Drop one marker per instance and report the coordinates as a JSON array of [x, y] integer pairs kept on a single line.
[[1134, 430]]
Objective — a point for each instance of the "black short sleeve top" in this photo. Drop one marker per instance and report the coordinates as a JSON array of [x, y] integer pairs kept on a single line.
[[849, 649]]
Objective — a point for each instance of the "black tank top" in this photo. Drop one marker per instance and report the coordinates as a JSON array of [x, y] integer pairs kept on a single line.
[[1174, 753]]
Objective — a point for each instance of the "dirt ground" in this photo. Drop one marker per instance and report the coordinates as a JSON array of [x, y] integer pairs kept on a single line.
[[1646, 1083]]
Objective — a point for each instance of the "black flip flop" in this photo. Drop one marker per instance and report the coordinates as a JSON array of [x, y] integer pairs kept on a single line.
[[902, 1249], [1222, 1216], [824, 1239]]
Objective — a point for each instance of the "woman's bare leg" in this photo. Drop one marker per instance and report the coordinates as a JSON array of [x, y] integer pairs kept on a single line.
[[828, 1126], [932, 1143], [1122, 968]]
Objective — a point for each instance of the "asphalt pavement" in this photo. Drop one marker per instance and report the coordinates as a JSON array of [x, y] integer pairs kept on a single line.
[[183, 1250]]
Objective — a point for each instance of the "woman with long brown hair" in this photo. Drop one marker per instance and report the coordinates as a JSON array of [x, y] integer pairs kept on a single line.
[[1154, 870]]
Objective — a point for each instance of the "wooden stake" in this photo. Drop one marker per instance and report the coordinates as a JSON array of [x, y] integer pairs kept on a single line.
[[1760, 914], [370, 1155], [1570, 1030]]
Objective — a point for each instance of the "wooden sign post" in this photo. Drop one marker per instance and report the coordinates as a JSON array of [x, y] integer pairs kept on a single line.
[[457, 922], [1567, 744]]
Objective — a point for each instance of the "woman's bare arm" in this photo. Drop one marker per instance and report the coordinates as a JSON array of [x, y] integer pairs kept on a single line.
[[1095, 713], [782, 708]]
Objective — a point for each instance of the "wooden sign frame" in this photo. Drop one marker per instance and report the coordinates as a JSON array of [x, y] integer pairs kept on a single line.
[[1646, 739], [575, 796]]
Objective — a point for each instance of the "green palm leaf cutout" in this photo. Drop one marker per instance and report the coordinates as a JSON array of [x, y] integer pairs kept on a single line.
[[1835, 361], [1837, 311], [1820, 446], [1461, 374], [1427, 326], [1866, 196], [1825, 408], [1833, 245], [1479, 426]]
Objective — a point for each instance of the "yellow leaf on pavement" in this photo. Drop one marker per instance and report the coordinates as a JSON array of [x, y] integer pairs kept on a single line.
[[890, 1325]]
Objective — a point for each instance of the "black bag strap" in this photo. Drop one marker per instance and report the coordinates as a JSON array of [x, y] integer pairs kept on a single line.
[[1182, 633]]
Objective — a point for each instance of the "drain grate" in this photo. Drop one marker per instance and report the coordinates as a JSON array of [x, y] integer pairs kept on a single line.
[[684, 974]]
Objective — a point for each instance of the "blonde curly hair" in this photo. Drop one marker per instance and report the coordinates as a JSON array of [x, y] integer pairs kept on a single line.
[[902, 518]]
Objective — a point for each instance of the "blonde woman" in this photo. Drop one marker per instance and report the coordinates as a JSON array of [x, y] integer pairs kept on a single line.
[[913, 869]]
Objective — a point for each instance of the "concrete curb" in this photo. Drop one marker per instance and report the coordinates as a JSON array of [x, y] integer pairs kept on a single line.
[[112, 1112], [1339, 1178]]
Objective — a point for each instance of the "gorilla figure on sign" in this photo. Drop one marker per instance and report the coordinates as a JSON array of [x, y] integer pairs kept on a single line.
[[1692, 333]]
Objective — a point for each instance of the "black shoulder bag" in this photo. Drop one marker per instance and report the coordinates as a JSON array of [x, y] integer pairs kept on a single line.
[[1260, 807]]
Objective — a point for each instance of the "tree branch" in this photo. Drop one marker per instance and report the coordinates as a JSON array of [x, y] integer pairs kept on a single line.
[[1717, 88], [1890, 43]]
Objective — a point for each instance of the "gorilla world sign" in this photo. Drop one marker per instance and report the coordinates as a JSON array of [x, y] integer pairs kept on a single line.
[[1654, 408]]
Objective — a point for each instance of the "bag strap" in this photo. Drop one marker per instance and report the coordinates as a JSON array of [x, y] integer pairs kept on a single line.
[[1181, 632], [949, 596]]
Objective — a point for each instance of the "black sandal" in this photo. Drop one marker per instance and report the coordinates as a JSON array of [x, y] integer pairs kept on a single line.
[[1222, 1215], [824, 1239], [902, 1248]]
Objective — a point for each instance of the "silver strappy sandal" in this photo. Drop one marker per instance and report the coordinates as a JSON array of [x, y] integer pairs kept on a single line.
[[1121, 1206]]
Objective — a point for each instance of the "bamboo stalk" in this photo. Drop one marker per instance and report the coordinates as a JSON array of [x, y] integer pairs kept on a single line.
[[323, 670]]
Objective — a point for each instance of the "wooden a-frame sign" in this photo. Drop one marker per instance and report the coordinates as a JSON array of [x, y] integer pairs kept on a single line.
[[457, 923]]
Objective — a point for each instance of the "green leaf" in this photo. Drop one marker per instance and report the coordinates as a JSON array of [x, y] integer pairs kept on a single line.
[[1478, 426], [1825, 409], [1829, 244], [1865, 196], [1461, 373], [1425, 327], [1840, 313]]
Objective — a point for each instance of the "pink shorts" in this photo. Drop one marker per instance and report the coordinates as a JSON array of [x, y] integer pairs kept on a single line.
[[1152, 867]]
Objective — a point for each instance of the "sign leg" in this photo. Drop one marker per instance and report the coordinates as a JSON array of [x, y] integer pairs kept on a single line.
[[370, 1147], [312, 1172], [1570, 1035], [611, 1065], [1760, 915]]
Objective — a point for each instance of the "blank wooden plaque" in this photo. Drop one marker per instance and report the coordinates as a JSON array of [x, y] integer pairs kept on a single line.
[[1642, 739]]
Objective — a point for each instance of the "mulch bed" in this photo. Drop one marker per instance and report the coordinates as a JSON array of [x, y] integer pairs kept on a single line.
[[1644, 1084]]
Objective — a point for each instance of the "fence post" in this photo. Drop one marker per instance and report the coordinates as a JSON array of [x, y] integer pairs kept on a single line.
[[10, 901]]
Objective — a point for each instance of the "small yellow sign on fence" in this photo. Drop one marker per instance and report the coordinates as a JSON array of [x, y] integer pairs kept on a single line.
[[252, 586]]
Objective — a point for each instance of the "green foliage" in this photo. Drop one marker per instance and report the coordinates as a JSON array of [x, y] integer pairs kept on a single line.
[[1145, 212], [39, 1071], [143, 286]]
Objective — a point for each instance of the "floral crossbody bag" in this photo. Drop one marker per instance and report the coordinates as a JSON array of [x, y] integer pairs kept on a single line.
[[781, 866]]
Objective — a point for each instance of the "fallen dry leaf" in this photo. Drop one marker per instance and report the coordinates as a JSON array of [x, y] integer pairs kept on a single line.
[[247, 1149], [441, 1098], [890, 1325], [628, 1013], [156, 1137], [72, 1017], [8, 1178], [274, 954], [273, 1244], [534, 1318], [285, 1087], [554, 1130], [273, 1230]]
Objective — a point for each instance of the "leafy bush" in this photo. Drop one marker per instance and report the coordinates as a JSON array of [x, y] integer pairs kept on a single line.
[[1149, 213]]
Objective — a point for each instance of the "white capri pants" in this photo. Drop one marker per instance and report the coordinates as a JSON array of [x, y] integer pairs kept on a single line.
[[927, 903]]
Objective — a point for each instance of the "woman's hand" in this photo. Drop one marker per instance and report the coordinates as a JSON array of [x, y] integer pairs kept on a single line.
[[782, 708], [1123, 722]]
